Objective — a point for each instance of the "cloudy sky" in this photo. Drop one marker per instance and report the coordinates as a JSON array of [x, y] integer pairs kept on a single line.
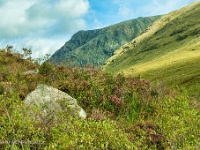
[[45, 25]]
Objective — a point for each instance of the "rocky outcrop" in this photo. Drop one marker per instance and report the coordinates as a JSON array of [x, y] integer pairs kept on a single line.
[[49, 99]]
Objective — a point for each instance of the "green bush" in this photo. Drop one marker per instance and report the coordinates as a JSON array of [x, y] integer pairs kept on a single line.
[[45, 69]]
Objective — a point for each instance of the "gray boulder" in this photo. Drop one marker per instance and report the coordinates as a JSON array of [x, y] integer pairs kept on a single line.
[[49, 99]]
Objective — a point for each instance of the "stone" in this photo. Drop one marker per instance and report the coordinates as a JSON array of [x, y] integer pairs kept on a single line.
[[50, 99], [30, 72]]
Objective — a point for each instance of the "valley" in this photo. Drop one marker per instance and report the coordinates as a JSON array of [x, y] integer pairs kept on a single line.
[[132, 85]]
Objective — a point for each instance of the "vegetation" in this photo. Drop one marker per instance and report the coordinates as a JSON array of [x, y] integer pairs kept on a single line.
[[123, 112], [169, 50], [94, 47]]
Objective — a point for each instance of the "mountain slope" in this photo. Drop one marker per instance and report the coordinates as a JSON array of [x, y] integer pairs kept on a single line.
[[169, 50], [94, 47]]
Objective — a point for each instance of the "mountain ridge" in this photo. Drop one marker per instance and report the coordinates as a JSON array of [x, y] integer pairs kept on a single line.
[[94, 47]]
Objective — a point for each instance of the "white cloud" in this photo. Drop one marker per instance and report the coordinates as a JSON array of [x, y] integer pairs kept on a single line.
[[40, 24], [73, 8], [30, 17], [12, 16], [39, 46], [43, 46]]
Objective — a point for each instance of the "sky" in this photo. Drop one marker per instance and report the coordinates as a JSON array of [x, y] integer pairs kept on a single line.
[[45, 25]]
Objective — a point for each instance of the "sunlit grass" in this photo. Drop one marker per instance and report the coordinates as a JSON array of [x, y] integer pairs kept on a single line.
[[169, 51], [174, 58]]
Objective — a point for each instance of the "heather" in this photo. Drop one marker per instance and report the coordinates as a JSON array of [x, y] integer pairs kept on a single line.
[[122, 112]]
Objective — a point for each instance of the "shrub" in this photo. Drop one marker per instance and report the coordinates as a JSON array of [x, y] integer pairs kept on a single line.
[[45, 69], [180, 38]]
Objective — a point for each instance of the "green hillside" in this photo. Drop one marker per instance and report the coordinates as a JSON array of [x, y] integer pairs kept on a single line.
[[94, 47], [122, 112], [168, 51]]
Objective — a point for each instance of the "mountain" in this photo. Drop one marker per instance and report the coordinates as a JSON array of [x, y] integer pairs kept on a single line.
[[94, 47], [169, 50]]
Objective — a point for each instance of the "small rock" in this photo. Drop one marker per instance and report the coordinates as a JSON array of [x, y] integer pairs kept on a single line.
[[30, 72]]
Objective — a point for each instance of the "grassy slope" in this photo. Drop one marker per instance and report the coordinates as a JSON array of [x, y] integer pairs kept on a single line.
[[169, 50], [123, 112]]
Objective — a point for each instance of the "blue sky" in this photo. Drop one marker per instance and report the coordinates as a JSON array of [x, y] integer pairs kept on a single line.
[[45, 25]]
